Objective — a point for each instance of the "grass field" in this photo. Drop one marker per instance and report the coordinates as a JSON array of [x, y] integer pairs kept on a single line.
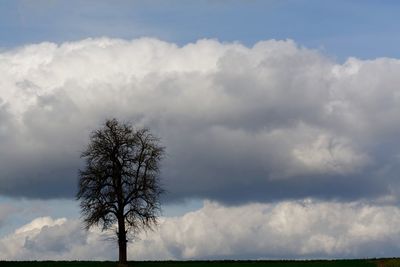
[[333, 263]]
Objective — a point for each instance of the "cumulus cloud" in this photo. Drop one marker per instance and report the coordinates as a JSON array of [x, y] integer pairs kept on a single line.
[[268, 122], [303, 229], [45, 238], [291, 229]]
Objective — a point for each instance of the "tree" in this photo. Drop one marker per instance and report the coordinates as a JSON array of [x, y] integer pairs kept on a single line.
[[119, 185]]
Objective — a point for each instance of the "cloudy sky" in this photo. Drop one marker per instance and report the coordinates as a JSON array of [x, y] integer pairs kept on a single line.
[[280, 120]]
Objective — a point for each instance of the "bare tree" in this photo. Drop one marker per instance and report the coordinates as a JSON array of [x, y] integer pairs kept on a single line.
[[119, 185]]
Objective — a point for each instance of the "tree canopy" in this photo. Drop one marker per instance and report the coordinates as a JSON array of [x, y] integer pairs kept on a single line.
[[119, 185]]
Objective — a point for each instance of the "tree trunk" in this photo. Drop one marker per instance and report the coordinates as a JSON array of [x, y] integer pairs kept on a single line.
[[122, 242]]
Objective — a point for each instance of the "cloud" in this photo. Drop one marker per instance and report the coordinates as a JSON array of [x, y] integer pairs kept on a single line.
[[265, 123], [302, 230], [5, 212], [290, 229], [45, 238]]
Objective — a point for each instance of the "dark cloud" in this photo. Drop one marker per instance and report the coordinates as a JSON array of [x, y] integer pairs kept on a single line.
[[240, 124]]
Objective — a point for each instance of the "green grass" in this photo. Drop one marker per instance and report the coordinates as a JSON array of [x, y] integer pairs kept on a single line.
[[333, 263], [389, 263]]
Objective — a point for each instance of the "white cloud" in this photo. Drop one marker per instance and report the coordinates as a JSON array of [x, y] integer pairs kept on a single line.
[[37, 224], [290, 229], [327, 154], [260, 123], [45, 238], [305, 229]]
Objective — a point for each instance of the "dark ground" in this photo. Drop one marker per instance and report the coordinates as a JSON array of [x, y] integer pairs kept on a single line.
[[333, 263]]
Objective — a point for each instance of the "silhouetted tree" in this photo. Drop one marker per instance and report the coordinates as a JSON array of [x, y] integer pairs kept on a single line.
[[119, 185]]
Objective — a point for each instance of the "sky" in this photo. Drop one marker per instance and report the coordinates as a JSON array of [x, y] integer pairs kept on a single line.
[[279, 118]]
